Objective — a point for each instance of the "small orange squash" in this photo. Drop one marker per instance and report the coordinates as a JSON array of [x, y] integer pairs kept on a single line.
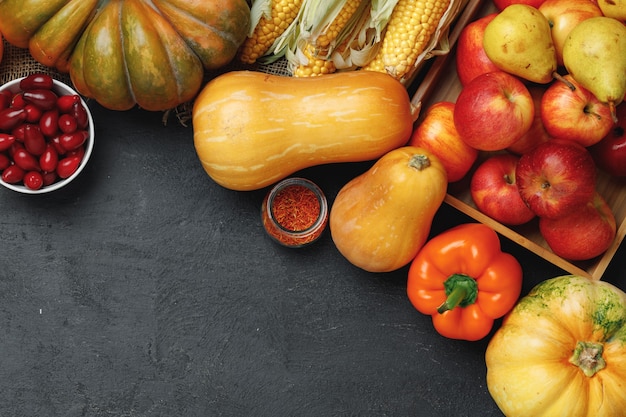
[[381, 219], [252, 129]]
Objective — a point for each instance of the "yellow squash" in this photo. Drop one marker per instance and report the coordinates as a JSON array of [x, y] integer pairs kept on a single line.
[[561, 352], [252, 129], [381, 219]]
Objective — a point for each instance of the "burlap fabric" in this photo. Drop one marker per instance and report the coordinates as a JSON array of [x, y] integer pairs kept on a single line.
[[17, 63]]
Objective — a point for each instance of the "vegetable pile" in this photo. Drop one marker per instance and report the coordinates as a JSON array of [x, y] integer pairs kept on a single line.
[[42, 134], [321, 37], [253, 129]]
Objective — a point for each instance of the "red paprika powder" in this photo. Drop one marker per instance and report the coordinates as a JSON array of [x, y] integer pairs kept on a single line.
[[295, 212]]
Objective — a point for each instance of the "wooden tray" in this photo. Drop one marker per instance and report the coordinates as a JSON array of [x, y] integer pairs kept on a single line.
[[442, 84]]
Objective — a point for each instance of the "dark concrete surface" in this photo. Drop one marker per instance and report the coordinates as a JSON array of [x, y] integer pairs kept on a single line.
[[145, 289]]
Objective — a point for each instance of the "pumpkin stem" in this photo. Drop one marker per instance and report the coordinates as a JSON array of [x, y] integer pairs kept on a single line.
[[461, 290], [419, 162], [588, 357]]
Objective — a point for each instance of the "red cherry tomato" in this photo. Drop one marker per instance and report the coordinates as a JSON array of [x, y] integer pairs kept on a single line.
[[17, 101], [49, 159], [33, 113], [18, 132], [71, 141], [25, 160], [13, 174], [49, 178], [10, 118], [33, 180], [80, 113], [49, 123], [14, 148], [5, 162], [34, 141], [79, 152], [67, 166], [56, 142], [36, 81], [44, 99], [67, 123], [6, 140], [67, 102]]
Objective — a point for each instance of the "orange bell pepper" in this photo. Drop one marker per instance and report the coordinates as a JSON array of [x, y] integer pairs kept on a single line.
[[464, 281]]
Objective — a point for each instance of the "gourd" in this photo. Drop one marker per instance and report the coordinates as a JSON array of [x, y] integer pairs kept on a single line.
[[152, 53], [381, 219], [561, 351], [252, 129]]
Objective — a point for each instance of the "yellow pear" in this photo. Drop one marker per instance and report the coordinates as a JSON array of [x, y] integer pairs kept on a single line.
[[613, 8], [519, 41], [594, 53]]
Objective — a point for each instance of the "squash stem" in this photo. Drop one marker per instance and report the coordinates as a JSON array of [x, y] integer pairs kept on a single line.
[[588, 357], [461, 291], [419, 162]]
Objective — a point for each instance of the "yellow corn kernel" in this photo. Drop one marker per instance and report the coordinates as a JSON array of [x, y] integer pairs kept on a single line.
[[338, 24], [268, 29], [315, 66], [317, 50], [410, 28]]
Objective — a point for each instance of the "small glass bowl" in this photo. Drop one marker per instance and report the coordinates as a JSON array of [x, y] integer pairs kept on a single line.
[[61, 89], [295, 212]]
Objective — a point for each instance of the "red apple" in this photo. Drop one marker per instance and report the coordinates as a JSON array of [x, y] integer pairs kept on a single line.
[[556, 177], [494, 190], [575, 115], [537, 133], [471, 59], [563, 15], [583, 234], [493, 111], [502, 4], [610, 152], [437, 134]]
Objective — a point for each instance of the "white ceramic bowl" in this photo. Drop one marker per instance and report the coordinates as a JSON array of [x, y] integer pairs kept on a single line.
[[61, 89]]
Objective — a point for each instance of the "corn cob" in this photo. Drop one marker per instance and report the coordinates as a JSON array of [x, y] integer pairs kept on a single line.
[[330, 34], [269, 20], [311, 65], [329, 23], [361, 45], [408, 33]]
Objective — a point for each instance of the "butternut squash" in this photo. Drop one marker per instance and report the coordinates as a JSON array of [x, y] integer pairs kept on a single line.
[[252, 129], [381, 219]]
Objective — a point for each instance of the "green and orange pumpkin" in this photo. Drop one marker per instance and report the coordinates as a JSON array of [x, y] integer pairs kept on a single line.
[[122, 53]]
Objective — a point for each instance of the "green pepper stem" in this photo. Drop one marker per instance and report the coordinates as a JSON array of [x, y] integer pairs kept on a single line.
[[461, 291]]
